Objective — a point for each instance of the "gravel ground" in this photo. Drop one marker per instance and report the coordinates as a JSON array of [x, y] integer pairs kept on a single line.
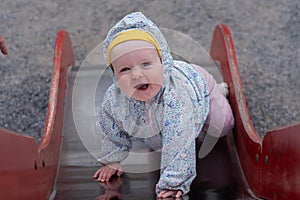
[[265, 34]]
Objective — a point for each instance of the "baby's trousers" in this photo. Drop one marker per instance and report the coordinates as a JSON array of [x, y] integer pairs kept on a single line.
[[220, 120]]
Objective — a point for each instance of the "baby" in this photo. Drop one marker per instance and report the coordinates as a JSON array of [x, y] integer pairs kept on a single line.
[[159, 101]]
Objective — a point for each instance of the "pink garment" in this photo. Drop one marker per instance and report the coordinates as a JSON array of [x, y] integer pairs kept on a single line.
[[220, 120]]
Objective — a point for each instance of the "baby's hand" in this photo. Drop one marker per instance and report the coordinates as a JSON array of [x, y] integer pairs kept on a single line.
[[169, 193], [106, 172]]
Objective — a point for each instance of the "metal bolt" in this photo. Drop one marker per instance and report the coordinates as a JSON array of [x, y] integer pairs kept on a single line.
[[43, 163], [267, 159], [35, 165]]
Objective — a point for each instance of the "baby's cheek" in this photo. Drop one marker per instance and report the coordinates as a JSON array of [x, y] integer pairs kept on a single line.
[[157, 77], [124, 86]]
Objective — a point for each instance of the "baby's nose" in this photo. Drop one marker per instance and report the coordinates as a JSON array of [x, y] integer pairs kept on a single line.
[[136, 73]]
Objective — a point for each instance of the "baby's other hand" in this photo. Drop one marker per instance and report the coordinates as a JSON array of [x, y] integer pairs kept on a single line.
[[106, 172], [169, 193]]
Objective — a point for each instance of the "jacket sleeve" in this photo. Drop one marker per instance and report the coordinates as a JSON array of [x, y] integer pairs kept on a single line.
[[178, 161], [115, 144], [178, 168]]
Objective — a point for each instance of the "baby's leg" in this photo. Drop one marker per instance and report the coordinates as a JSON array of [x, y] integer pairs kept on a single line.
[[220, 119]]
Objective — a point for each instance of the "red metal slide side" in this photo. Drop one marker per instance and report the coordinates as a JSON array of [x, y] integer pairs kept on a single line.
[[271, 165], [28, 170]]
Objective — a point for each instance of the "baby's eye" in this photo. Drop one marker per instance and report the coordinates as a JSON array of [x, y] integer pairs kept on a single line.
[[145, 64], [124, 69]]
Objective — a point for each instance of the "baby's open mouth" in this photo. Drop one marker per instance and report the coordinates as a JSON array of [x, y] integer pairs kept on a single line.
[[142, 86]]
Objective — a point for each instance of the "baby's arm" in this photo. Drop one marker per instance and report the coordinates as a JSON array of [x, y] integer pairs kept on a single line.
[[112, 153], [115, 146], [178, 166], [105, 172], [178, 162]]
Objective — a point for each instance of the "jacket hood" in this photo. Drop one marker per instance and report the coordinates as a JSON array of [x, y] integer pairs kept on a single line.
[[138, 21]]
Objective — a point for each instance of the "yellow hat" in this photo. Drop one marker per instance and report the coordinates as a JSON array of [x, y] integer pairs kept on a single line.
[[127, 35]]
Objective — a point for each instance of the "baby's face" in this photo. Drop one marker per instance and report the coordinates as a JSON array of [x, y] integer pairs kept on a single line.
[[139, 73]]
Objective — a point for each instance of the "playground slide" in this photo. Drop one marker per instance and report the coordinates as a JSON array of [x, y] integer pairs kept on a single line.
[[271, 164], [27, 170], [242, 165]]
